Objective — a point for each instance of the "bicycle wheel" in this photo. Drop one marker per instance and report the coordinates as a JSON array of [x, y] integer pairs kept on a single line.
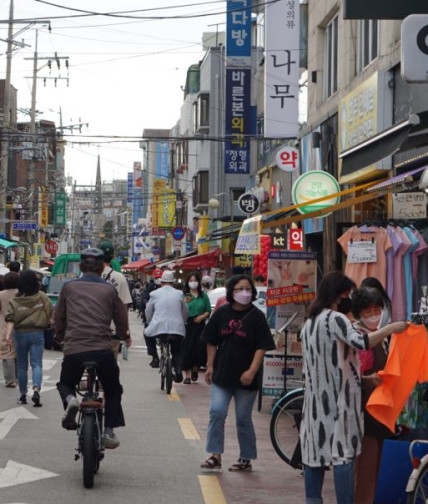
[[168, 376], [420, 493], [285, 426], [89, 450], [162, 372]]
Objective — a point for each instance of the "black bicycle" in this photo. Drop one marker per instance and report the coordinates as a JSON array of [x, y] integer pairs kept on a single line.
[[165, 364], [90, 424]]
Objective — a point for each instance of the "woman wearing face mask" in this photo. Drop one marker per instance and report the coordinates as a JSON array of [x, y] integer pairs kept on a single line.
[[193, 349], [368, 307], [237, 337], [331, 430]]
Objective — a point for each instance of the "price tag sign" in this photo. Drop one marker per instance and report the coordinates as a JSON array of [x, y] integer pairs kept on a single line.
[[362, 252]]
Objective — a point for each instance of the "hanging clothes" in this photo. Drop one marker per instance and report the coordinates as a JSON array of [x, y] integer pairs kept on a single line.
[[397, 243], [408, 271], [398, 299], [407, 363]]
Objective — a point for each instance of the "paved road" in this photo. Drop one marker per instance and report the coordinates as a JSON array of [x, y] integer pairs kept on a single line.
[[161, 448]]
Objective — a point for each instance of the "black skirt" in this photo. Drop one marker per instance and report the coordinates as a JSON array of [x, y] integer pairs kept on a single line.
[[194, 351]]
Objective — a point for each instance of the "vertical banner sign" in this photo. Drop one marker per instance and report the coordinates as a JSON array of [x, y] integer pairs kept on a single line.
[[162, 160], [159, 187], [59, 216], [238, 120], [130, 184], [238, 43], [282, 69], [137, 190], [43, 209]]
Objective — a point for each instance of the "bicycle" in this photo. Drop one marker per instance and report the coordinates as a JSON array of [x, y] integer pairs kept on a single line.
[[90, 424], [165, 365]]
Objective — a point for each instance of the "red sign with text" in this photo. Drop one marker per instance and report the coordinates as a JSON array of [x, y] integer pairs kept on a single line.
[[295, 239], [51, 247]]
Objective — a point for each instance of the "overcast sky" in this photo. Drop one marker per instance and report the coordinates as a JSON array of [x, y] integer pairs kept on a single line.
[[125, 74]]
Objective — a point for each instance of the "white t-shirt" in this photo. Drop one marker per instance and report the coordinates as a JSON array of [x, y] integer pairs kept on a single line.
[[119, 282]]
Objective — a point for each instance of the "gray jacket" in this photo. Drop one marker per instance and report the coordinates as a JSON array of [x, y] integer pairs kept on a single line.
[[166, 312]]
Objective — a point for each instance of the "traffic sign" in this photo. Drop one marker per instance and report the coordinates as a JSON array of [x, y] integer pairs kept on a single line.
[[248, 203], [155, 250], [178, 233], [414, 48], [24, 226], [51, 247]]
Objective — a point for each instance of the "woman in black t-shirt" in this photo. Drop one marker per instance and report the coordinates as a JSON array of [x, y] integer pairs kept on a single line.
[[237, 337]]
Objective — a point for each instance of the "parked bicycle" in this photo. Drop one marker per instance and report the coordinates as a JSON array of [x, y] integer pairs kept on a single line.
[[165, 365], [90, 424]]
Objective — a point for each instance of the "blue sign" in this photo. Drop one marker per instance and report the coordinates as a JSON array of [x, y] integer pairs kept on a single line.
[[238, 120], [85, 242], [138, 244], [189, 246], [130, 186], [238, 28], [24, 226], [162, 160], [2, 236], [178, 233], [155, 250]]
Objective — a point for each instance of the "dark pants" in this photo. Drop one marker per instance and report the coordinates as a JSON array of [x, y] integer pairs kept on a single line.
[[175, 345], [108, 373], [193, 349], [151, 347]]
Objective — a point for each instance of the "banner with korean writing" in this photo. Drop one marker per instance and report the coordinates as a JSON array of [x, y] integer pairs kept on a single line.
[[138, 174], [166, 208], [130, 187], [43, 209], [60, 209], [282, 69], [238, 28], [248, 241], [238, 120], [162, 160]]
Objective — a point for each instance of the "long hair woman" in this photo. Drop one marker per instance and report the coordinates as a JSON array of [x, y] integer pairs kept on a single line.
[[28, 315]]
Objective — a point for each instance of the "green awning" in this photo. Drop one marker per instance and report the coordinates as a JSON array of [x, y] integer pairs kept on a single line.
[[8, 244]]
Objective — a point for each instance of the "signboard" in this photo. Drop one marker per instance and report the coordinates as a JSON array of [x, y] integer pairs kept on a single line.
[[238, 120], [156, 250], [51, 247], [24, 226], [411, 205], [130, 187], [383, 9], [60, 209], [295, 239], [43, 209], [248, 203], [282, 44], [287, 159], [178, 233], [313, 185], [414, 48], [274, 371], [238, 28], [363, 251], [278, 241], [162, 160], [248, 241]]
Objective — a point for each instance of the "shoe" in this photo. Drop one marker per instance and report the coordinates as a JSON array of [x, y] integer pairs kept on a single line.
[[187, 381], [11, 385], [36, 399], [154, 363], [241, 466], [212, 463], [69, 418], [110, 442], [194, 376], [178, 376], [22, 399]]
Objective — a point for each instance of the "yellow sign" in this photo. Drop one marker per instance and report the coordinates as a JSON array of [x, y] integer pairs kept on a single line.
[[364, 112], [249, 236], [163, 209], [43, 209]]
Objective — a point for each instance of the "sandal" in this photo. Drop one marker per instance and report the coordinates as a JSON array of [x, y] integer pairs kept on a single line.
[[211, 463], [241, 466], [186, 381], [194, 375]]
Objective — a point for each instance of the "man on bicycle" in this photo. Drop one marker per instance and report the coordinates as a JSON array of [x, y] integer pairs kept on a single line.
[[85, 309]]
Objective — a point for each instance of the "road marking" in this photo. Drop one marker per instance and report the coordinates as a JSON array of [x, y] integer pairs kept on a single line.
[[17, 474], [173, 396], [188, 429], [11, 417], [211, 490], [49, 364]]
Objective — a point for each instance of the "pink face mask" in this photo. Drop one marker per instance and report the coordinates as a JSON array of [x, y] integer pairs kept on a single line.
[[243, 297]]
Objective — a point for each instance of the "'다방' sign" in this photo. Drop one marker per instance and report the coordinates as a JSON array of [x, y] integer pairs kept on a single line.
[[313, 185]]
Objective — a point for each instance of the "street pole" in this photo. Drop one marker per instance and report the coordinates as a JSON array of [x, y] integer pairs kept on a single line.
[[4, 162]]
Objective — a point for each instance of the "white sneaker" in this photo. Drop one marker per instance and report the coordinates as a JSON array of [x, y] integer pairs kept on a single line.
[[69, 417], [110, 442]]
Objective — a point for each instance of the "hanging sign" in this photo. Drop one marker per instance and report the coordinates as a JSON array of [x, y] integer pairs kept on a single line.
[[248, 241], [313, 185], [411, 205], [295, 239], [287, 159], [363, 251], [248, 203]]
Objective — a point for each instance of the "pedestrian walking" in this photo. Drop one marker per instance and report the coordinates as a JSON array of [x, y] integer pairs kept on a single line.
[[194, 354], [237, 337], [7, 351], [28, 315]]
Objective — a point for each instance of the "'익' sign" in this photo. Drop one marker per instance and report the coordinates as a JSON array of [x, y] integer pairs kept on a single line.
[[295, 239], [287, 159], [414, 48]]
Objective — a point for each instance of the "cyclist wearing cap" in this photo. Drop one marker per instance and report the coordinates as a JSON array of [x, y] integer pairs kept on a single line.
[[85, 309]]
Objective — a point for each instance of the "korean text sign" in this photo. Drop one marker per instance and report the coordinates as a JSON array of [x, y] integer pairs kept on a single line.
[[238, 28], [249, 237], [238, 120], [282, 69], [130, 186], [60, 213]]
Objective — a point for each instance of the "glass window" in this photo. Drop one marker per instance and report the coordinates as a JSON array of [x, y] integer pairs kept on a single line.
[[367, 40], [330, 57], [204, 109]]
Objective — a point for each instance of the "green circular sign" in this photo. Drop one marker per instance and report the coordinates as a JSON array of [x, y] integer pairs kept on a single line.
[[312, 185]]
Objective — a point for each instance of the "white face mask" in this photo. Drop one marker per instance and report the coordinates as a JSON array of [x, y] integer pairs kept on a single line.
[[193, 285], [371, 322]]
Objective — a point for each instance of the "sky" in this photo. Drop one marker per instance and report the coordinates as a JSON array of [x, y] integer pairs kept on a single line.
[[125, 73]]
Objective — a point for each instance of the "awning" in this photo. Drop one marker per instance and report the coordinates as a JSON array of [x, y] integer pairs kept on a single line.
[[8, 244], [398, 179], [136, 265], [165, 263], [404, 136], [208, 260]]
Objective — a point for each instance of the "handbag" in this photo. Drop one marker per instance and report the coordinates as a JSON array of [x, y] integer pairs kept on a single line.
[[49, 332]]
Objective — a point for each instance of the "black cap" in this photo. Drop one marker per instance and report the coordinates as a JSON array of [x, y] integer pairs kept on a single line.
[[92, 254]]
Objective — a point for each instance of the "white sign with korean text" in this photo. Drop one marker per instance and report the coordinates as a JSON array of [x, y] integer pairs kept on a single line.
[[274, 371], [282, 69], [287, 159], [363, 251], [411, 205]]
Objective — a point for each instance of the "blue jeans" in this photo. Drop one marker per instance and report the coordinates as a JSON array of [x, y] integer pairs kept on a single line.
[[344, 485], [244, 402], [33, 343]]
